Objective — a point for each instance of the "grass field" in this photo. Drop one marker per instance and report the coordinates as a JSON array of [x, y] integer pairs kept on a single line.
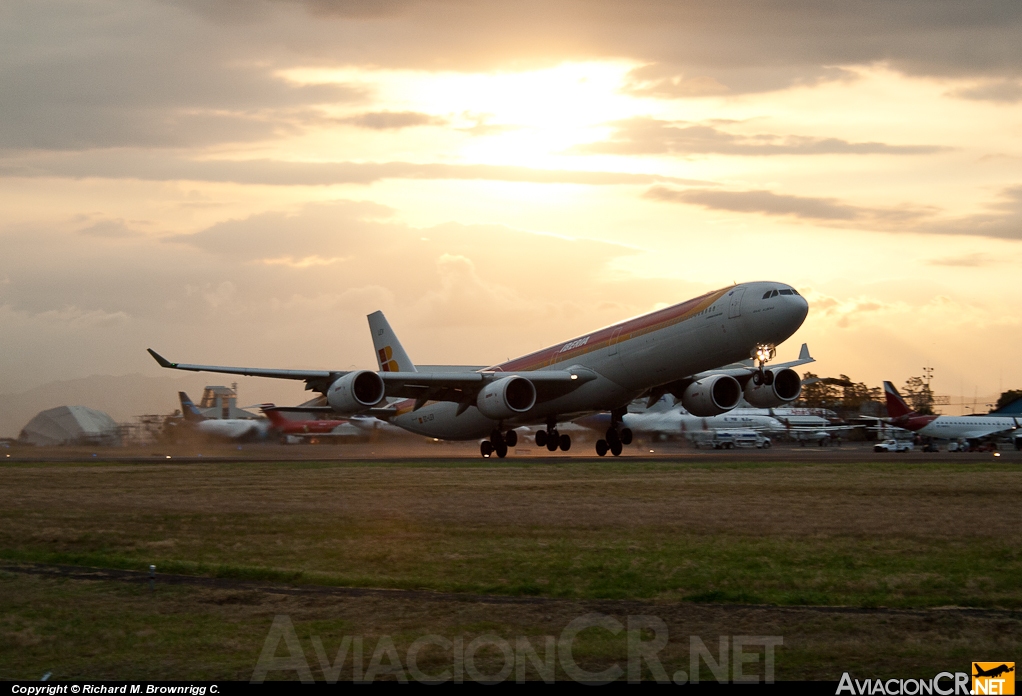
[[871, 534]]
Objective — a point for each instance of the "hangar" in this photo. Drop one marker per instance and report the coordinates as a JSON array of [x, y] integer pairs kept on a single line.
[[70, 425]]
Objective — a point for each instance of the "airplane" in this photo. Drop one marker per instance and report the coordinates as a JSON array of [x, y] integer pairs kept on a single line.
[[993, 671], [708, 352], [797, 416], [287, 426], [664, 420], [677, 421], [221, 428], [970, 428]]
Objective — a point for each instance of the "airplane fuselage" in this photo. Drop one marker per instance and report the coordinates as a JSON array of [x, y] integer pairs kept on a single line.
[[956, 427], [629, 358]]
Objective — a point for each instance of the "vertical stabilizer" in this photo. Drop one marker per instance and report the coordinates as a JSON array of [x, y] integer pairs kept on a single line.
[[896, 406], [189, 410], [390, 354]]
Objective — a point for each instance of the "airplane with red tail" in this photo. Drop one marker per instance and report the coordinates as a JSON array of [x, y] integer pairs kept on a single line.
[[970, 428]]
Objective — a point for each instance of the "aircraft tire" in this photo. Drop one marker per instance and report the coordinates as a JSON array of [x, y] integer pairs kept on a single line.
[[485, 448], [511, 438], [612, 436], [565, 443], [601, 448], [626, 436], [496, 438], [501, 450], [616, 448], [552, 443], [540, 438], [766, 445]]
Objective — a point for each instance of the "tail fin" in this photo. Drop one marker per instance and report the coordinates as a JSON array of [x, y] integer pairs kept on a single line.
[[188, 409], [274, 416], [1012, 409], [896, 406], [389, 353]]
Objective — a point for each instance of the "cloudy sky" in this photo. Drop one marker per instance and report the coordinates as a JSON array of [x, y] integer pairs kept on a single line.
[[242, 181]]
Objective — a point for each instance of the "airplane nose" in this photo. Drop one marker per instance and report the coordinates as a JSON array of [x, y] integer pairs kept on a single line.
[[801, 308]]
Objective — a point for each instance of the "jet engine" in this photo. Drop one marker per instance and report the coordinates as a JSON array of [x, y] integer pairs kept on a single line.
[[355, 391], [712, 396], [778, 388], [506, 398]]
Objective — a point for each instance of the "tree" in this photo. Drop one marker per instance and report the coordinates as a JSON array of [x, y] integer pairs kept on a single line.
[[855, 394], [919, 395], [818, 394], [1008, 396]]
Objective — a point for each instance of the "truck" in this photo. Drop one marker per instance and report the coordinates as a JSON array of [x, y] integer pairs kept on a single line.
[[893, 446], [729, 439]]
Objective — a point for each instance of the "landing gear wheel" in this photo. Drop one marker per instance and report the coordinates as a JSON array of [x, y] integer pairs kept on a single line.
[[496, 438], [626, 436], [601, 447], [615, 448], [612, 436], [540, 438], [485, 448], [501, 450], [552, 442], [565, 443], [511, 438], [766, 444]]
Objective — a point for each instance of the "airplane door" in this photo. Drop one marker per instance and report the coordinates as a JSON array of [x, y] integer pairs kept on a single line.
[[735, 306], [614, 341]]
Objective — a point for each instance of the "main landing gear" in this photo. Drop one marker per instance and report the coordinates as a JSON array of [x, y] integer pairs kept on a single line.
[[498, 443], [553, 440], [617, 437]]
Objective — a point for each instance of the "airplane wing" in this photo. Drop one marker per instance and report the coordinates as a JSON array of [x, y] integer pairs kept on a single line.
[[821, 428], [746, 368], [460, 387], [979, 434], [313, 378]]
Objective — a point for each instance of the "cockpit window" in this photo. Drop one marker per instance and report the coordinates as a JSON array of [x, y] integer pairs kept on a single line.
[[773, 294], [766, 294], [794, 292], [785, 292]]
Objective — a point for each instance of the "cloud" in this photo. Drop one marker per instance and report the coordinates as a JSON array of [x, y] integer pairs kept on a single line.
[[1000, 91], [185, 74], [161, 166], [648, 136], [824, 210], [1004, 221], [108, 228], [393, 120], [974, 260]]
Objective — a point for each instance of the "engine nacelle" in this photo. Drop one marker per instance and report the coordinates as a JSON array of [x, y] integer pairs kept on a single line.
[[780, 387], [506, 398], [355, 391], [712, 396]]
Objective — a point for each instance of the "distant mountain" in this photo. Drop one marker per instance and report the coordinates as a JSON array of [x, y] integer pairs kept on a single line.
[[126, 396]]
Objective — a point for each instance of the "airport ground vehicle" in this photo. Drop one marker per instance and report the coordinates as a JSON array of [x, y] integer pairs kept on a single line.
[[893, 446], [730, 439]]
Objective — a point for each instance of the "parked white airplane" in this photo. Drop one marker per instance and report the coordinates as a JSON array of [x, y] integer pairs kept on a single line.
[[972, 428], [678, 350], [676, 421], [222, 428]]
